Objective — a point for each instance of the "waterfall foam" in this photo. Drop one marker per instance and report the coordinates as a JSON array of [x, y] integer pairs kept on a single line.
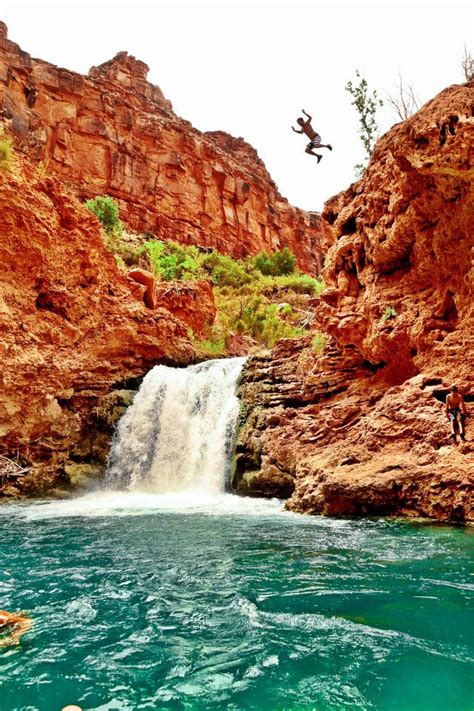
[[178, 434]]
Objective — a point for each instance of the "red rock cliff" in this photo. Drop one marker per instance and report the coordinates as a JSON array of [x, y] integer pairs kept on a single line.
[[361, 428], [114, 133], [71, 325], [401, 270]]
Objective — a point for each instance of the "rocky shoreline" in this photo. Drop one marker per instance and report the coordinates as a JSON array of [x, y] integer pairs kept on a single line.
[[335, 440]]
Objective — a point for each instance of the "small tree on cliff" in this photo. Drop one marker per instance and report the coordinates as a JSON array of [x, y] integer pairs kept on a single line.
[[366, 105], [404, 100], [468, 65], [106, 209]]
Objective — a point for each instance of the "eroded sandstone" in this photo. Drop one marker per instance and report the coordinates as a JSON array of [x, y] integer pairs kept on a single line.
[[361, 429], [72, 326]]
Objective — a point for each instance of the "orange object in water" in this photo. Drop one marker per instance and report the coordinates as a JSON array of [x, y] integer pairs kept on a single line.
[[20, 624]]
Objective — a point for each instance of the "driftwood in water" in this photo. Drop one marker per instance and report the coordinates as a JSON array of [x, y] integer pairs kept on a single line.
[[10, 470]]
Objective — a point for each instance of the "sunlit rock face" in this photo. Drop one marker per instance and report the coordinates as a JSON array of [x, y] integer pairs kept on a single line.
[[401, 271], [72, 326], [112, 132], [361, 428]]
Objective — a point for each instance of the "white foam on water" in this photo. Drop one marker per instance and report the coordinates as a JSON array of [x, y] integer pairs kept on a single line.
[[124, 503]]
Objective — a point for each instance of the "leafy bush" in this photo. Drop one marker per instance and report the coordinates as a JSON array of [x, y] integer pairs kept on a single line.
[[275, 328], [170, 260], [106, 209], [6, 149], [276, 264], [299, 283], [120, 262], [212, 347], [223, 270], [366, 104], [251, 315]]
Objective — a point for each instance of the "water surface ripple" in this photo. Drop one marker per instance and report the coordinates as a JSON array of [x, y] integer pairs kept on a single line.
[[161, 602]]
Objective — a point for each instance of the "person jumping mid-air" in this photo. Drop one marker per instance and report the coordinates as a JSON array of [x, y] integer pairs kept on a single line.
[[315, 138], [456, 412]]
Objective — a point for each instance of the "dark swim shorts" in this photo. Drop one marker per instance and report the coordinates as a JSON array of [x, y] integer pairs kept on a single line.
[[315, 142]]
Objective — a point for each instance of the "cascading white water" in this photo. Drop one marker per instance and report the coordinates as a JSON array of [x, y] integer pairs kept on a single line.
[[177, 436]]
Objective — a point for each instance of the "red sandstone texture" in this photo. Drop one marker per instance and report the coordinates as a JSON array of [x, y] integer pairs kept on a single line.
[[71, 325], [361, 429], [113, 133]]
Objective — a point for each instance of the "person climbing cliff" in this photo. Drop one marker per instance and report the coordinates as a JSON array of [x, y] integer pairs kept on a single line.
[[147, 279], [456, 412], [15, 624], [315, 138]]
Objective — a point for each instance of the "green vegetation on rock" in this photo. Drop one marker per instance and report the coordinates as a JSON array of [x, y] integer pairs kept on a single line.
[[276, 264], [389, 312], [262, 298], [366, 104], [6, 150], [106, 209], [318, 343]]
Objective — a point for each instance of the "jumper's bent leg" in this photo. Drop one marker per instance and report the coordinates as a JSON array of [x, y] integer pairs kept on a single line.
[[311, 152]]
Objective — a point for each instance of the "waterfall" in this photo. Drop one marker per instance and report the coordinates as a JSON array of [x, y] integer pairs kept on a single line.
[[178, 434]]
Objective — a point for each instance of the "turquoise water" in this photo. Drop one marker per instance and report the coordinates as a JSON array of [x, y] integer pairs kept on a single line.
[[148, 602]]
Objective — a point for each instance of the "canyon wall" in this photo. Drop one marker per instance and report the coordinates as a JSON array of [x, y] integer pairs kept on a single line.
[[74, 331], [350, 423], [113, 133], [357, 425]]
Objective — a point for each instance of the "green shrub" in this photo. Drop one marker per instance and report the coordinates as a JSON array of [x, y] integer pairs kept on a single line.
[[251, 315], [318, 343], [243, 293], [170, 260], [106, 209], [274, 328], [276, 264], [120, 262], [389, 312], [211, 347], [223, 270], [6, 150], [299, 283]]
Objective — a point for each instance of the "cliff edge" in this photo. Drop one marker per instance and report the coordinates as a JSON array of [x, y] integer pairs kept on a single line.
[[360, 427]]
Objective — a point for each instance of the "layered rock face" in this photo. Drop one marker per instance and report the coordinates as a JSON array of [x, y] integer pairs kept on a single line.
[[72, 326], [401, 271], [361, 428], [114, 133]]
